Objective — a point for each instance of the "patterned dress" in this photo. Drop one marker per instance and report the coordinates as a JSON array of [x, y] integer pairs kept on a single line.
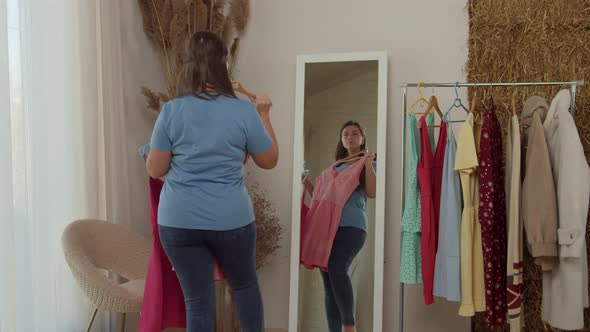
[[411, 264], [492, 217]]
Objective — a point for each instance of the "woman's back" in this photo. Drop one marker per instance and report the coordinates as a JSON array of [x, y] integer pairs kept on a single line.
[[208, 139]]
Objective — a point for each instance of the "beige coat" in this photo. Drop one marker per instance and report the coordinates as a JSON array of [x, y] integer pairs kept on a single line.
[[565, 289], [539, 203]]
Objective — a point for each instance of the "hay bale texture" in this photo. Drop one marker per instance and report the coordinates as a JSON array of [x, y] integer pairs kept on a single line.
[[529, 41]]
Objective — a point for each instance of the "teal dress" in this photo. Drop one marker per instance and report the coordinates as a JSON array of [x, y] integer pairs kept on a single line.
[[411, 265]]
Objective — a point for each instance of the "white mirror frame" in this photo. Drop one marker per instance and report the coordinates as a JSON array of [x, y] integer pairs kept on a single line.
[[302, 60]]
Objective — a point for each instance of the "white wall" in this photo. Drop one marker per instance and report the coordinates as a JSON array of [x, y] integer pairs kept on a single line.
[[425, 40], [140, 67]]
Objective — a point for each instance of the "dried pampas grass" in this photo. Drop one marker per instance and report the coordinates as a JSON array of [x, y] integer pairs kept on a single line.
[[528, 41], [169, 24]]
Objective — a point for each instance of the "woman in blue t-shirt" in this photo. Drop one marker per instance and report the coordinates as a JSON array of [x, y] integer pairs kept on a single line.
[[351, 233], [200, 142]]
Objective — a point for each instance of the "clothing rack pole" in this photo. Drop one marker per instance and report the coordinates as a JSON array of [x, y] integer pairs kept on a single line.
[[403, 191], [573, 87], [572, 84]]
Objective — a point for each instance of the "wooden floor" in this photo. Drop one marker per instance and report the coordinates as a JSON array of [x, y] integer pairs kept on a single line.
[[269, 329]]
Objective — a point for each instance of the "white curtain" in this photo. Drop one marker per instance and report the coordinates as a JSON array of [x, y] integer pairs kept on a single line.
[[53, 162]]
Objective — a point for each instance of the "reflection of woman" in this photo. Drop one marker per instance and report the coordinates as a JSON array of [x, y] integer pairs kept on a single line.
[[199, 142], [351, 233]]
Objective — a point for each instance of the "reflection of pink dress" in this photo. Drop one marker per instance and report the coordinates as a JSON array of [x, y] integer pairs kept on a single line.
[[163, 301], [318, 228]]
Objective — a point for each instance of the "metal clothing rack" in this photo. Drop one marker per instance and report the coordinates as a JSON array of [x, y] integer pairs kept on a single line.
[[573, 85]]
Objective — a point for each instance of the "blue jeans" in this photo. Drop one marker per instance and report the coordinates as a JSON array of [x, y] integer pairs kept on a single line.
[[191, 253], [339, 296]]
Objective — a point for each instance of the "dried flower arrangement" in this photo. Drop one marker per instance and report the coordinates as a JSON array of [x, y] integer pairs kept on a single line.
[[169, 24]]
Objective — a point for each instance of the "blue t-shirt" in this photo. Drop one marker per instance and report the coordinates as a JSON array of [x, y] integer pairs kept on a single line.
[[204, 188], [353, 212]]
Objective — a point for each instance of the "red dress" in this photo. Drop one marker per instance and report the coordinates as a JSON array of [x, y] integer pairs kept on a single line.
[[492, 217], [430, 169], [163, 301]]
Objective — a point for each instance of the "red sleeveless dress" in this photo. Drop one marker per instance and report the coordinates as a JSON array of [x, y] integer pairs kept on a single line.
[[430, 169]]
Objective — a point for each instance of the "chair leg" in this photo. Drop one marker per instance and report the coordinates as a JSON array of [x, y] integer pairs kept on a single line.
[[91, 320], [123, 323]]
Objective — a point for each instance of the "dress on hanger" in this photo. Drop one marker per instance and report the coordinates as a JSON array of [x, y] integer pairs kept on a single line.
[[447, 281], [331, 191], [472, 276], [492, 217], [163, 301], [515, 228], [565, 288], [429, 171], [411, 265]]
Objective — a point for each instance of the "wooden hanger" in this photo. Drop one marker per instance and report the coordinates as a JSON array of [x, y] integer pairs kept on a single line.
[[474, 102], [349, 159], [239, 88], [355, 156], [433, 105]]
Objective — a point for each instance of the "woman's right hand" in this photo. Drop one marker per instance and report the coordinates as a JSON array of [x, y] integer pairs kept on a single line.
[[268, 159], [263, 104]]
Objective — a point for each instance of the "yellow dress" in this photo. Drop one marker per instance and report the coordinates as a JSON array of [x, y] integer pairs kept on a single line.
[[472, 275]]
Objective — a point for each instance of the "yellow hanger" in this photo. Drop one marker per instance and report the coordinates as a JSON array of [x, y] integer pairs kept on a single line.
[[421, 101]]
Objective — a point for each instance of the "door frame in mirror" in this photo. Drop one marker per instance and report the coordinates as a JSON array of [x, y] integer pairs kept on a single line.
[[302, 60]]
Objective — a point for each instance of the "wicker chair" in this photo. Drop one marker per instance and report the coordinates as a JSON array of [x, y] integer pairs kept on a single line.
[[94, 247]]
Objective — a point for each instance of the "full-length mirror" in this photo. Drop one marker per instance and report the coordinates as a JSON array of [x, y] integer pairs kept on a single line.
[[339, 193]]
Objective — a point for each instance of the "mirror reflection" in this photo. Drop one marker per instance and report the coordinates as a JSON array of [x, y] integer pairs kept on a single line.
[[338, 209]]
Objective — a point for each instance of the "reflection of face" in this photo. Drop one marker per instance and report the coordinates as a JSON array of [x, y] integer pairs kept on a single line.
[[352, 139]]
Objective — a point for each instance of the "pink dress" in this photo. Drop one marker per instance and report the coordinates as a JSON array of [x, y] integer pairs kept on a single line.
[[163, 301], [318, 228], [430, 168]]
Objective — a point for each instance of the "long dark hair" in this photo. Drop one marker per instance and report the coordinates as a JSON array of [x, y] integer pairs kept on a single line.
[[204, 70], [341, 151]]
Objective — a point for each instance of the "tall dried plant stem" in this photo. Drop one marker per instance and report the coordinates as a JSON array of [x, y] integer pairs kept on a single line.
[[211, 15], [188, 18], [169, 74], [195, 13]]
